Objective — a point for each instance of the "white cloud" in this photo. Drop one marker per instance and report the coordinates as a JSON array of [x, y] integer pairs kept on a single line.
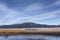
[[9, 16], [12, 17], [57, 2], [46, 15], [33, 7], [43, 16], [36, 18]]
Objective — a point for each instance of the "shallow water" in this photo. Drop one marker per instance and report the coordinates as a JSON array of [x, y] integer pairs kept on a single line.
[[30, 37]]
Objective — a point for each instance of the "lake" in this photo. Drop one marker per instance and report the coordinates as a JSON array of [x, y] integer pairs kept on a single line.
[[30, 37]]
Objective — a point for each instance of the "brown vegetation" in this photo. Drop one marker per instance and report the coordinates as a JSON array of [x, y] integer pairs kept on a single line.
[[30, 31]]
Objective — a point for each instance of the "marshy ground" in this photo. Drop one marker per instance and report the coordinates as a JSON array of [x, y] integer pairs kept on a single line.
[[16, 31]]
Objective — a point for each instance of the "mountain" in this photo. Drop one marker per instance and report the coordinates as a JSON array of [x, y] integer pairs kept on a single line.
[[29, 25]]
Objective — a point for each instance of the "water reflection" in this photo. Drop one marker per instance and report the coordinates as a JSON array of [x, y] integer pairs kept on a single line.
[[29, 37]]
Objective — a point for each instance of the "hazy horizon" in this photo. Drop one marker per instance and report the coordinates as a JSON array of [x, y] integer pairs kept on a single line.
[[36, 11]]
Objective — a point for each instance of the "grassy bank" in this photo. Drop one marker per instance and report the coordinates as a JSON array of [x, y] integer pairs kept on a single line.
[[15, 31]]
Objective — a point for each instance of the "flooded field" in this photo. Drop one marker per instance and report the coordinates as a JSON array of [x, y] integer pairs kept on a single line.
[[30, 37]]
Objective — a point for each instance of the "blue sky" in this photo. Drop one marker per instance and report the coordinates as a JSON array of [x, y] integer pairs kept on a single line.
[[37, 11]]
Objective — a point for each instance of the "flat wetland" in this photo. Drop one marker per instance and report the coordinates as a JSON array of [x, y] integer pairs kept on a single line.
[[17, 31], [30, 34]]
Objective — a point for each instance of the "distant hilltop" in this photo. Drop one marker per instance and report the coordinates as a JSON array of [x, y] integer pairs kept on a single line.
[[29, 25]]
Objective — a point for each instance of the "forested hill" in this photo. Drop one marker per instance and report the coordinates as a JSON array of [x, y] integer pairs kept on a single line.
[[29, 25]]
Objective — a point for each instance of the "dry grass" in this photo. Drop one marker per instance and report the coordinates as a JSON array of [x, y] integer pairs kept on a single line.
[[30, 31]]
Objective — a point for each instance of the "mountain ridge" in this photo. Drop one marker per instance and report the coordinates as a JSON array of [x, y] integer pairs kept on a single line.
[[29, 25]]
